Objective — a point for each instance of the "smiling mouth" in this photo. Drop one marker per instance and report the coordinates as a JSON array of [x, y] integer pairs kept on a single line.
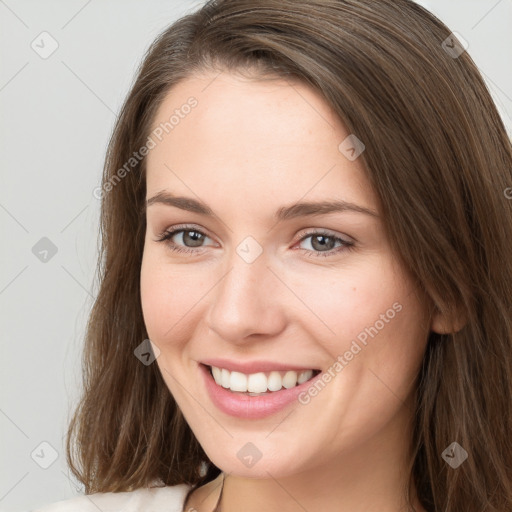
[[260, 383]]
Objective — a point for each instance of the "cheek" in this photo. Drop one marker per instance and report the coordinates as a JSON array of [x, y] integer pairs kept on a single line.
[[371, 316], [351, 300], [167, 297], [377, 337], [169, 302]]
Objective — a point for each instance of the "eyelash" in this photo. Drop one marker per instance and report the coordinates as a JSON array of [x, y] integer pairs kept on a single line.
[[167, 235]]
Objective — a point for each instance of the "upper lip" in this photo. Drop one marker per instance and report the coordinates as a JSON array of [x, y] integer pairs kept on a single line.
[[249, 367]]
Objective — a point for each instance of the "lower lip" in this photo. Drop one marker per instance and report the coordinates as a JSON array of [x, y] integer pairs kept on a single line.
[[252, 407]]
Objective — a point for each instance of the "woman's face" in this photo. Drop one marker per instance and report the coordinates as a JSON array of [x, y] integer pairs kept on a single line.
[[259, 283]]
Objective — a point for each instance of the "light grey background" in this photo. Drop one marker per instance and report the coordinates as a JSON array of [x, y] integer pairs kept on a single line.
[[56, 118]]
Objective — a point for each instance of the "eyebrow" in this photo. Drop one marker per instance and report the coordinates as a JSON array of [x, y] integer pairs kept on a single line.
[[303, 209]]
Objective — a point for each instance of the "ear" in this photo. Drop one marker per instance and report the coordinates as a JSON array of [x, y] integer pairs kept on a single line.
[[441, 323]]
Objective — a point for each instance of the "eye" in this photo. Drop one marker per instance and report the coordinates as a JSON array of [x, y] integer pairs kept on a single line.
[[323, 244], [189, 235]]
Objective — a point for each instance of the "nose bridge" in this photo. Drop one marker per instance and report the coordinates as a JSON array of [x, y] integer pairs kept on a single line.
[[245, 300]]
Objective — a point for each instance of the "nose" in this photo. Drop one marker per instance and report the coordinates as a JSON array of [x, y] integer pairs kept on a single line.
[[248, 301]]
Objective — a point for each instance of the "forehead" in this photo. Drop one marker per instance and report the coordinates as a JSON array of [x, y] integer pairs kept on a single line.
[[247, 135]]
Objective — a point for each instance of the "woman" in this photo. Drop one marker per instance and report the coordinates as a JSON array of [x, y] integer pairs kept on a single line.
[[305, 209]]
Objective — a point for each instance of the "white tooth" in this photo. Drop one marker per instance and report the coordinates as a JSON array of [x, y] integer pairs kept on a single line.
[[290, 379], [238, 381], [274, 381], [304, 376], [224, 378], [257, 383], [217, 375]]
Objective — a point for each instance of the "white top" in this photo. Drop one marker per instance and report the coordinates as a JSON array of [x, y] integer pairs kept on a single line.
[[153, 499]]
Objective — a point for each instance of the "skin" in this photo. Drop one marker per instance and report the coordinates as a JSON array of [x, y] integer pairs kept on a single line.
[[248, 148]]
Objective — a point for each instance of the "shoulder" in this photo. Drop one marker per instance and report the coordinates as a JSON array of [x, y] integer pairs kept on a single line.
[[151, 499]]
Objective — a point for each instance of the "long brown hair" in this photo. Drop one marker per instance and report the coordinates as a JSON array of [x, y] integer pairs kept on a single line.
[[439, 159]]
